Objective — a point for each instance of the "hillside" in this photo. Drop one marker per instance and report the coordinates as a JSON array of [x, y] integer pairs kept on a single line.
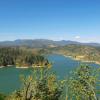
[[21, 58], [78, 52]]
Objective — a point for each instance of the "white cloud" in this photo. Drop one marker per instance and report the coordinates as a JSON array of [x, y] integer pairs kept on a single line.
[[77, 37]]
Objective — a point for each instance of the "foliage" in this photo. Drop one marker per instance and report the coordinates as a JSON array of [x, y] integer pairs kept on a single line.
[[39, 86], [18, 57], [42, 84], [82, 85], [89, 53], [2, 96]]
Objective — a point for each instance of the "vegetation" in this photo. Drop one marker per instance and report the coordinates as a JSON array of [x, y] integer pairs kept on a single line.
[[19, 57], [82, 84], [39, 86], [2, 96], [42, 84], [24, 56], [79, 52]]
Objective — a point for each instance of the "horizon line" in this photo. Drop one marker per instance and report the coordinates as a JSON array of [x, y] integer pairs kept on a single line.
[[47, 39]]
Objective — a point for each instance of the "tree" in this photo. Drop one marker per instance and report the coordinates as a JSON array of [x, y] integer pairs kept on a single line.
[[81, 86], [39, 86]]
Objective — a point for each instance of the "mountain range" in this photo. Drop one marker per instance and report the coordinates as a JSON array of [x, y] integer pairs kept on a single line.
[[39, 43]]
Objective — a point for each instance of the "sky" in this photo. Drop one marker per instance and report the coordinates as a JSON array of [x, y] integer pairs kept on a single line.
[[77, 20]]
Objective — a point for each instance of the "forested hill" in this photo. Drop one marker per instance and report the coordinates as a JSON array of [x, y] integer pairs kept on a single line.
[[21, 58], [79, 52]]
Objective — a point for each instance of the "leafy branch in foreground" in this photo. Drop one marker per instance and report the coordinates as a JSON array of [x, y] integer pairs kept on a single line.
[[2, 96], [82, 85], [37, 87]]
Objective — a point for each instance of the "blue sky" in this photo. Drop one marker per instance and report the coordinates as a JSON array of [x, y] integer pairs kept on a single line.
[[77, 20]]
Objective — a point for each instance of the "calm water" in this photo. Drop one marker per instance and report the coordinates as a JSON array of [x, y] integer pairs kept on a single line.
[[9, 77]]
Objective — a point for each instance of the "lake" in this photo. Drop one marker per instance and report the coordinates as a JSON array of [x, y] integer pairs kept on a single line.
[[62, 66]]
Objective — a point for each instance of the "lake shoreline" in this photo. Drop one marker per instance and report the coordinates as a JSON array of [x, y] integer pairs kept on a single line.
[[17, 67], [77, 59]]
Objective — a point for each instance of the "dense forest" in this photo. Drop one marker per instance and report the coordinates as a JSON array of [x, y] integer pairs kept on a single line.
[[20, 57], [43, 84]]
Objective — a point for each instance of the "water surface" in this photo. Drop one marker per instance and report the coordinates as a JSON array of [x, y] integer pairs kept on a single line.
[[9, 77]]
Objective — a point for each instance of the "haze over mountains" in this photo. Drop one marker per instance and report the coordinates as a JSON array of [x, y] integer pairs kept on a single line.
[[38, 43]]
